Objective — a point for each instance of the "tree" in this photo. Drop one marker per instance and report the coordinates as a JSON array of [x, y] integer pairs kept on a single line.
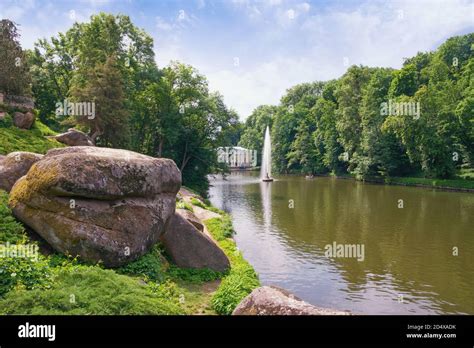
[[348, 124], [325, 135], [381, 153], [103, 87], [14, 72], [340, 126], [255, 125], [67, 59], [294, 109], [52, 70]]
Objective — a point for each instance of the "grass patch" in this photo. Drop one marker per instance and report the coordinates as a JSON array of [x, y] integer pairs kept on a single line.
[[89, 290], [198, 203], [184, 205], [193, 275], [60, 285], [205, 204], [30, 140], [220, 228]]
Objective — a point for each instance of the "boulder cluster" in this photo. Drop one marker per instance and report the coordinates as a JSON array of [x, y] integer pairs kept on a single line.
[[23, 116], [106, 205], [111, 206]]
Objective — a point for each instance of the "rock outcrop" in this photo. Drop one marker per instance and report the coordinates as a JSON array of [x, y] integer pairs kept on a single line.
[[193, 219], [74, 137], [271, 300], [101, 204], [23, 120], [190, 248], [14, 166]]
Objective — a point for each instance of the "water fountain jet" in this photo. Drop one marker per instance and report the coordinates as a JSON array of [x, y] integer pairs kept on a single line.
[[266, 170]]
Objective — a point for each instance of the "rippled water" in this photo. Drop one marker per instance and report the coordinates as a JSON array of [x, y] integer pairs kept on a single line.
[[409, 267]]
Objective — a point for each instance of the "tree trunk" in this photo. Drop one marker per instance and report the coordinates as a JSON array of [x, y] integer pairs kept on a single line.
[[185, 158], [94, 135]]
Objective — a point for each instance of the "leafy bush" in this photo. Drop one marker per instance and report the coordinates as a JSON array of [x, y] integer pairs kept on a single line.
[[233, 289], [11, 231], [6, 122], [29, 272], [150, 266]]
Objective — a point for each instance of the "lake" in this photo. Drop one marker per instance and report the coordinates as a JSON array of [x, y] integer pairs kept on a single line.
[[410, 238]]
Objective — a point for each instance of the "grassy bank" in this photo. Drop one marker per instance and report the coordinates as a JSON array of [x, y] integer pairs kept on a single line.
[[452, 184], [464, 181], [56, 284], [31, 140]]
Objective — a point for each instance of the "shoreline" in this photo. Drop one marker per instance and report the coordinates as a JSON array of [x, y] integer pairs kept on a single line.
[[388, 181], [393, 181], [152, 278]]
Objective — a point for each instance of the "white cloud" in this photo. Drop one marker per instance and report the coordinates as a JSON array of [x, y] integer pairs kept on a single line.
[[161, 24], [245, 89]]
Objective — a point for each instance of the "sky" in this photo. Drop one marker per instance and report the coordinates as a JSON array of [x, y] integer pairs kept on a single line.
[[251, 51]]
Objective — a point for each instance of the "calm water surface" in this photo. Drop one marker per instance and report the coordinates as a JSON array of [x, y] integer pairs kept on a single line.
[[409, 267]]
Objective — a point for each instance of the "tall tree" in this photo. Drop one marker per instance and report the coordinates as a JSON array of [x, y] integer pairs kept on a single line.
[[349, 96], [14, 71], [103, 87]]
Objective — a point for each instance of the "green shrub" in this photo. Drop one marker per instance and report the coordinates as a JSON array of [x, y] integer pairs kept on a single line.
[[29, 272], [233, 289], [149, 266], [6, 122], [11, 231]]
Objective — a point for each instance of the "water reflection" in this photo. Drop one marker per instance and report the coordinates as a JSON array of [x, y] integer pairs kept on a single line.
[[266, 192], [408, 252]]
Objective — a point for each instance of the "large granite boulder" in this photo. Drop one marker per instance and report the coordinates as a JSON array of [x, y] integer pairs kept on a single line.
[[190, 248], [14, 166], [23, 120], [74, 137], [101, 204], [271, 300]]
